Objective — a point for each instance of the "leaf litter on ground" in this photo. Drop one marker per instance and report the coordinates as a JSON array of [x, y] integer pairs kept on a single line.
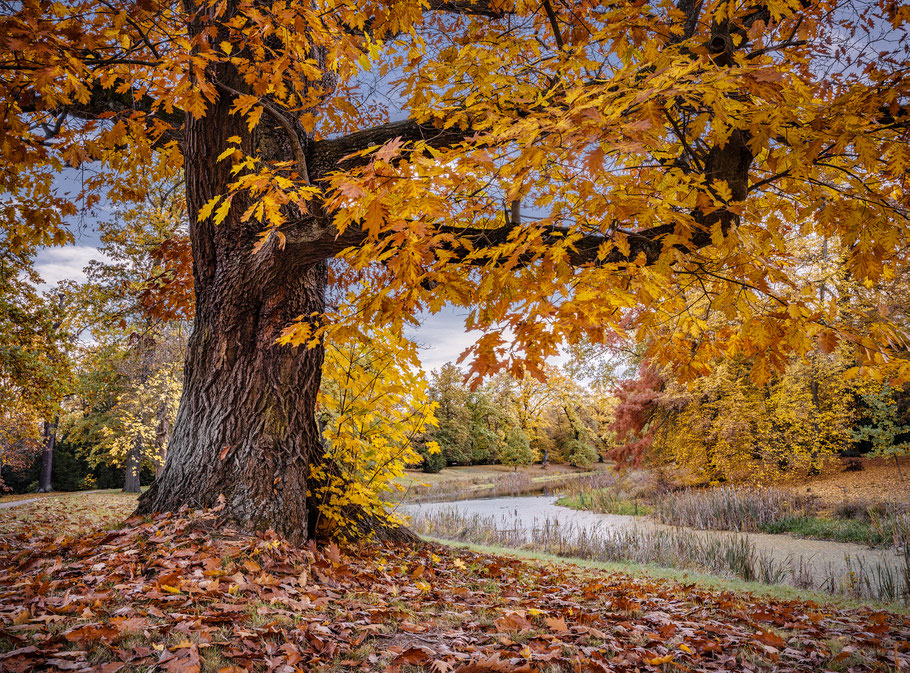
[[183, 593]]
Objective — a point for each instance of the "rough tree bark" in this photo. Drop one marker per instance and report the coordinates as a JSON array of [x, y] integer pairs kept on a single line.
[[47, 456], [246, 427], [131, 482]]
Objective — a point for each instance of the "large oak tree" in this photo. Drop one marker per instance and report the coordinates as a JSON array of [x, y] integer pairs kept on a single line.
[[647, 151]]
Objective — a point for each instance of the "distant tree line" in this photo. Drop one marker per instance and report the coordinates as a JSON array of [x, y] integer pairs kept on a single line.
[[515, 422]]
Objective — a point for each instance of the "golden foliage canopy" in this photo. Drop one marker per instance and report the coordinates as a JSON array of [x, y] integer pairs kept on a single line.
[[658, 150]]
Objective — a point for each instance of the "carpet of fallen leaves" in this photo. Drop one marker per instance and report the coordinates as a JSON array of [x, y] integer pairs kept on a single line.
[[178, 593], [69, 514]]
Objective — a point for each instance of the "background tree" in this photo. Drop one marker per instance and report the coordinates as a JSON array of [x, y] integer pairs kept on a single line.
[[34, 364], [20, 440], [577, 444], [484, 416], [515, 448], [879, 424], [129, 389], [454, 430], [136, 302]]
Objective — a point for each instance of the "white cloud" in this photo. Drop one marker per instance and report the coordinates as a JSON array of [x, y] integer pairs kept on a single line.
[[65, 263], [442, 337]]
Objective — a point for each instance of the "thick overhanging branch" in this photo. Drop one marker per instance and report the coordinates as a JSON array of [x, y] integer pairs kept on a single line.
[[324, 156], [587, 249], [315, 238], [107, 102]]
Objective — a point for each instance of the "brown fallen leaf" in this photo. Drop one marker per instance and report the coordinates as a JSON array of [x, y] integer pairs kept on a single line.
[[410, 627], [493, 665], [333, 553], [512, 621], [91, 633], [557, 624], [111, 667], [412, 655], [770, 638]]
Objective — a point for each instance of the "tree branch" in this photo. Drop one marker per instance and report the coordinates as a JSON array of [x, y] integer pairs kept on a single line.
[[289, 130], [478, 8], [106, 101], [325, 156]]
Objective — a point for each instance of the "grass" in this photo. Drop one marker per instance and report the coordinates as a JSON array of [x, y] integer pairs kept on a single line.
[[70, 513], [470, 483], [467, 596], [828, 528], [731, 508], [605, 501], [767, 510], [773, 510], [18, 497]]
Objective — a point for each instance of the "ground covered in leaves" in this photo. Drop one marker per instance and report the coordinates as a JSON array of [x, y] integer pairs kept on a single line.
[[177, 593]]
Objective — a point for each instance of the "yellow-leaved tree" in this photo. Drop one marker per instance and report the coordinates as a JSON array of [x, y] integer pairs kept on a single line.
[[724, 427], [373, 409], [126, 401]]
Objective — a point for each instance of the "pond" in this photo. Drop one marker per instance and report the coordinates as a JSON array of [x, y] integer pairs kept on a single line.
[[819, 558]]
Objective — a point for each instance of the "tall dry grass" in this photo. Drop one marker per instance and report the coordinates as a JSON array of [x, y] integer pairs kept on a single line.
[[505, 486], [731, 508]]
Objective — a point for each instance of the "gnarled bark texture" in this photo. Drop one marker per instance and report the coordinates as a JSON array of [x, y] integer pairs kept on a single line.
[[246, 427]]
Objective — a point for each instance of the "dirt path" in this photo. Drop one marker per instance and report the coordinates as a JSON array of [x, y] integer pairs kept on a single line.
[[16, 503]]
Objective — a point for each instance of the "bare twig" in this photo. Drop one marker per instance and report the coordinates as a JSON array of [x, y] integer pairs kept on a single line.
[[286, 125]]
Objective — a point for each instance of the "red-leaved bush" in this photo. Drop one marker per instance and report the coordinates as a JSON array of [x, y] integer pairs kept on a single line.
[[639, 400]]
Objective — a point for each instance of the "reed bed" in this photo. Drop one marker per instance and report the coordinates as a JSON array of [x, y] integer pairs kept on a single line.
[[507, 485], [732, 508]]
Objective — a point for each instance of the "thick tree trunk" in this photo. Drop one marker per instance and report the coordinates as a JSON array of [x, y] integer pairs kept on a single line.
[[133, 467], [47, 456], [246, 427]]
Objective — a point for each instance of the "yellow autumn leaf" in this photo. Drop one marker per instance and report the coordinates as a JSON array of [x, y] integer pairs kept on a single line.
[[659, 661]]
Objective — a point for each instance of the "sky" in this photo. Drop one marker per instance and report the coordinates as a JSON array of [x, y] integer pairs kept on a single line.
[[442, 337]]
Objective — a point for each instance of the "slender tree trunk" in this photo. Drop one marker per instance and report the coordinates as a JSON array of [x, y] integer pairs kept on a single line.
[[47, 456], [161, 434], [159, 465], [133, 467]]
